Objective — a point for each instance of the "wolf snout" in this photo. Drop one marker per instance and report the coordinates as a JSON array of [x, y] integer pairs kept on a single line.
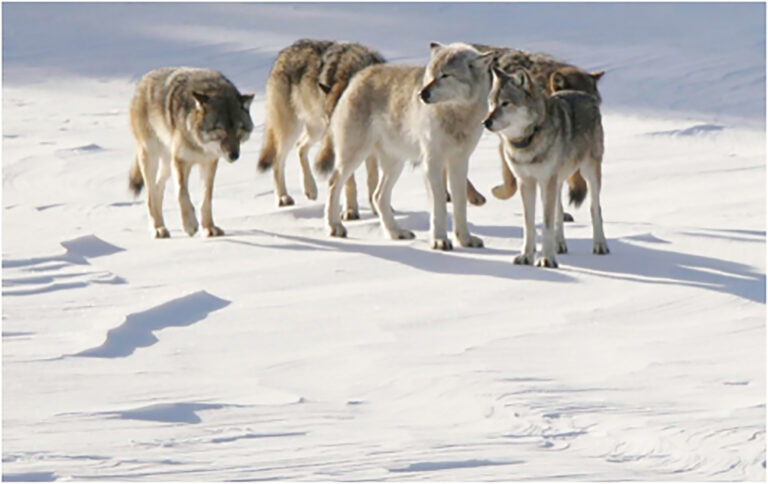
[[488, 123], [425, 95], [233, 155]]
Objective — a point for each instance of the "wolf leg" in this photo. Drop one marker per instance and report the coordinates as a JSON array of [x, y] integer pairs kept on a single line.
[[188, 218], [391, 168], [457, 178], [509, 186], [591, 170], [549, 199], [560, 245], [372, 173], [351, 210], [148, 164], [307, 139], [208, 173], [528, 196], [435, 170]]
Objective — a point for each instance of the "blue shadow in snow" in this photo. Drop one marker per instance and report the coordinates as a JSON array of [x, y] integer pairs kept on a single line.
[[138, 328]]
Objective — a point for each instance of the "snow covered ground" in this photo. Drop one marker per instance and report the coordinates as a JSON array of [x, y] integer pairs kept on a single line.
[[277, 352]]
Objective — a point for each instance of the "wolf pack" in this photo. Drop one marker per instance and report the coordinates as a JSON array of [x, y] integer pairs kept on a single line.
[[360, 108]]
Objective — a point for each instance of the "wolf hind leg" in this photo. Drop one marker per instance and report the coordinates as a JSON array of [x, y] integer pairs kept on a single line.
[[309, 137], [148, 158], [372, 180], [591, 170]]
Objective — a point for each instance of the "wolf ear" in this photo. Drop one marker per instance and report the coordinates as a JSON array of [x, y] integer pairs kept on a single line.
[[246, 100], [484, 61], [557, 82], [501, 75], [200, 99], [522, 79], [324, 87], [435, 46], [597, 75]]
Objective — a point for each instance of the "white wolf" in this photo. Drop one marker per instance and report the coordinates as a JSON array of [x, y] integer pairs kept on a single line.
[[401, 113]]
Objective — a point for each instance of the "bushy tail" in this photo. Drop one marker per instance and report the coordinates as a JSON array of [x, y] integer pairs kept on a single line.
[[135, 180], [268, 151], [577, 191], [324, 160]]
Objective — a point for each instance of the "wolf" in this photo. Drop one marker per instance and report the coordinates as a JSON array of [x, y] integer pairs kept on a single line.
[[183, 116], [546, 139], [303, 87], [554, 75], [431, 114]]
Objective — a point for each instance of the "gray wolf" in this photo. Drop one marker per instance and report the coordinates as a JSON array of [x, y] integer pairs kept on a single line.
[[303, 88], [401, 113], [554, 75], [547, 139], [183, 116]]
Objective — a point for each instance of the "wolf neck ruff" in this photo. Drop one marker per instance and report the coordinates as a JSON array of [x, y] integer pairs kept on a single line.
[[526, 142]]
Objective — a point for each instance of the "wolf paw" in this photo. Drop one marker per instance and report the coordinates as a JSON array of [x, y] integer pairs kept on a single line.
[[471, 241], [561, 247], [161, 233], [285, 201], [442, 244], [402, 235], [600, 248], [338, 231], [546, 262], [524, 259], [503, 192], [311, 192], [190, 226], [213, 231], [350, 214], [476, 199], [567, 217]]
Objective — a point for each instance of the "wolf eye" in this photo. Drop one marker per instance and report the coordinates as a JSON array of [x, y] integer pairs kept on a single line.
[[443, 76], [505, 104]]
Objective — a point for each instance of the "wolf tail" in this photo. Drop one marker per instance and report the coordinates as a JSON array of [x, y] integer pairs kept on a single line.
[[577, 189], [135, 180], [324, 160], [268, 151]]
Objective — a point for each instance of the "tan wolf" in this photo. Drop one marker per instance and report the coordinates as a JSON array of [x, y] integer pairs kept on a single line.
[[547, 139], [401, 113], [554, 75], [183, 116], [304, 85]]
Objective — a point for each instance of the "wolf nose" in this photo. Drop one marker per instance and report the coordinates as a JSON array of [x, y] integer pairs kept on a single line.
[[425, 95], [233, 156], [488, 123]]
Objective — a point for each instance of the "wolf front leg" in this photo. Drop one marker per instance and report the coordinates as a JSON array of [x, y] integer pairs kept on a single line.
[[208, 173], [528, 196], [457, 177], [391, 168], [435, 169], [549, 198], [188, 218]]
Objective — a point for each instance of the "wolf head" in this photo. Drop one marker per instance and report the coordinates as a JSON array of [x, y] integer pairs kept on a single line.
[[573, 78], [516, 104], [221, 122], [455, 73]]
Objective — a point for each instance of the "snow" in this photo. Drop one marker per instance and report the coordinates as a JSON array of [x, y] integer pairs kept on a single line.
[[277, 352]]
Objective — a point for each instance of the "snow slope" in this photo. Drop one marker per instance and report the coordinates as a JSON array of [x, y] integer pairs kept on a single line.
[[279, 353]]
